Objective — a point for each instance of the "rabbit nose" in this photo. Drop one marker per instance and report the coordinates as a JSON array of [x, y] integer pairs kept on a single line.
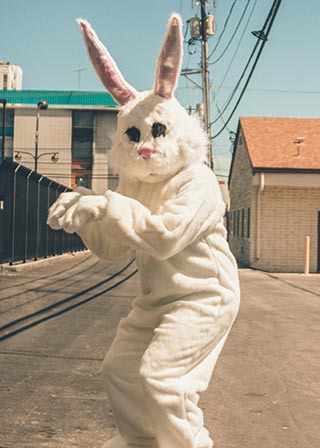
[[146, 152]]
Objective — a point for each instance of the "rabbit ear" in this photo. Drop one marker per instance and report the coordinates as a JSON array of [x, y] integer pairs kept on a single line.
[[105, 66], [170, 59]]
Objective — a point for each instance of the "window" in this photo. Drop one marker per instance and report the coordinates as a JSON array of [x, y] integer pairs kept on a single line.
[[82, 143], [9, 131], [5, 82], [229, 223], [234, 222], [82, 136], [248, 222], [242, 223], [238, 222]]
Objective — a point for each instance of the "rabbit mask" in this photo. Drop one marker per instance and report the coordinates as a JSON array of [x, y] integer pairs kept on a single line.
[[155, 136]]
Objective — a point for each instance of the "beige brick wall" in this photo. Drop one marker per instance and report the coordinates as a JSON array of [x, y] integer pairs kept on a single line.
[[240, 199], [288, 214]]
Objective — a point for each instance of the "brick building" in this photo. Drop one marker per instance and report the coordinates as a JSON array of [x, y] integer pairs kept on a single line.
[[274, 185]]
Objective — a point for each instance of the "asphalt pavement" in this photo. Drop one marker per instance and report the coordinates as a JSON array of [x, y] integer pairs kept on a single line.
[[58, 318]]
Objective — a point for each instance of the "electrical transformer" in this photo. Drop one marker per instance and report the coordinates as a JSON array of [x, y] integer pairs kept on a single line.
[[210, 25], [195, 27]]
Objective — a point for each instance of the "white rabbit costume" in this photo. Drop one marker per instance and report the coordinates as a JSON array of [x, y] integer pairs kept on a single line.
[[169, 208]]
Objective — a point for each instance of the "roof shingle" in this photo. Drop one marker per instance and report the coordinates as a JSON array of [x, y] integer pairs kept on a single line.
[[273, 142]]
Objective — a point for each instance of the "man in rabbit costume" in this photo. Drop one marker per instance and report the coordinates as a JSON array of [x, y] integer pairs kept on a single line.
[[168, 207]]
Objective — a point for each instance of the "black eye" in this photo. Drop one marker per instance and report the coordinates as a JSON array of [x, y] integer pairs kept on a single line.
[[133, 134], [158, 130]]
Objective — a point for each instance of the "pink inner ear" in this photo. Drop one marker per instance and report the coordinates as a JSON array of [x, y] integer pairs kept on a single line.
[[170, 59], [106, 67]]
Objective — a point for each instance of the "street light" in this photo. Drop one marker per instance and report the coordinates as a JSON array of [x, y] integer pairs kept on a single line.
[[4, 103], [42, 105], [54, 156]]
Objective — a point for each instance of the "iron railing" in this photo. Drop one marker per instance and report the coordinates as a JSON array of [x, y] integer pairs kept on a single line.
[[25, 197]]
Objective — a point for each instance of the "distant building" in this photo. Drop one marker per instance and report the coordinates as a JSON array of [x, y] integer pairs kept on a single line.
[[274, 188], [77, 128], [10, 76], [224, 191]]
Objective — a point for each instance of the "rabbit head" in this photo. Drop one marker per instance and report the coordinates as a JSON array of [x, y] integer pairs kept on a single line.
[[155, 136]]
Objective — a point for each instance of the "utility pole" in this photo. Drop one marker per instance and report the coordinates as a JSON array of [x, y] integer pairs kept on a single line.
[[200, 29], [206, 78]]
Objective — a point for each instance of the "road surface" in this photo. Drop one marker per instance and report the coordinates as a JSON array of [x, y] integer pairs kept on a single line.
[[58, 320]]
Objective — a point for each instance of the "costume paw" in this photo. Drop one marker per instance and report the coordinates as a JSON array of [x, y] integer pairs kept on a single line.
[[115, 442], [72, 211]]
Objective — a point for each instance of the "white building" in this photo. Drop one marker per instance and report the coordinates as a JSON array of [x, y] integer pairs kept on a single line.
[[74, 135], [10, 76]]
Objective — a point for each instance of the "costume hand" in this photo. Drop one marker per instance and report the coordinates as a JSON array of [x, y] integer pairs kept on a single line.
[[72, 211]]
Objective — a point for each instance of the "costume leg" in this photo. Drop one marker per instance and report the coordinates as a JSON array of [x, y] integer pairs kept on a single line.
[[120, 372], [178, 365]]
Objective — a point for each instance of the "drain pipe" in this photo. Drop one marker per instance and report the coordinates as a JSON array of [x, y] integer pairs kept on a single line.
[[258, 214], [307, 256]]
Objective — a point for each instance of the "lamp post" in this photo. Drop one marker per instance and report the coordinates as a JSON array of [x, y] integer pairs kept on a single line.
[[54, 156], [4, 103], [42, 105]]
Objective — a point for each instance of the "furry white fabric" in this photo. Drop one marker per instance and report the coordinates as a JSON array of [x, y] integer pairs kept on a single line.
[[169, 208]]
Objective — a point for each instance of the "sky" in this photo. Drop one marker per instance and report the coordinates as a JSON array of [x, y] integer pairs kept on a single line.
[[43, 37]]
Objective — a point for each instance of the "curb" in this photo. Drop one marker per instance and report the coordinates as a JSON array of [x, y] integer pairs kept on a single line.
[[28, 265]]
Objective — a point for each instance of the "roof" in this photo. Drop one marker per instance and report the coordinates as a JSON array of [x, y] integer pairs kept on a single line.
[[58, 97], [282, 143]]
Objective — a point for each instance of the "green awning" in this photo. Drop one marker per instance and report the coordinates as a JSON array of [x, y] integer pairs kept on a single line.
[[58, 97]]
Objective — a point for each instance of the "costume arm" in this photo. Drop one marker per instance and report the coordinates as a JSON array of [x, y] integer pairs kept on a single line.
[[62, 216], [96, 238], [192, 206]]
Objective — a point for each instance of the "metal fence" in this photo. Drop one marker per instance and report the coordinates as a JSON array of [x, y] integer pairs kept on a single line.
[[25, 197]]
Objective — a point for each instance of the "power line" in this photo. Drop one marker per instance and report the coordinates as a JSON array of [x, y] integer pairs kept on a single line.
[[261, 89], [258, 42], [233, 35], [258, 89], [224, 28], [271, 17], [219, 111], [239, 43]]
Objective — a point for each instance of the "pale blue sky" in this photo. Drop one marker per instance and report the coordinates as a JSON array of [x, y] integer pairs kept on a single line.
[[43, 38]]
